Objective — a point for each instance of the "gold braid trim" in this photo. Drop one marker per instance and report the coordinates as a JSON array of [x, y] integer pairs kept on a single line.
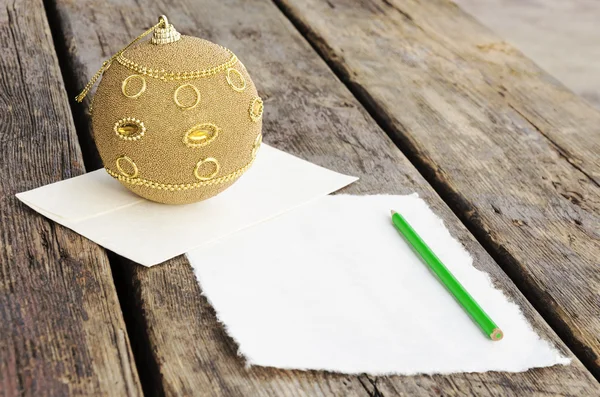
[[168, 75], [159, 74], [182, 186], [106, 64]]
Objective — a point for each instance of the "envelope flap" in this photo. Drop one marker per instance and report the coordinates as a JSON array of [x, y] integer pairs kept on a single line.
[[83, 197]]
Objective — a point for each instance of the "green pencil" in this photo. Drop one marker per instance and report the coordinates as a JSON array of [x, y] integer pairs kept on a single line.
[[484, 321]]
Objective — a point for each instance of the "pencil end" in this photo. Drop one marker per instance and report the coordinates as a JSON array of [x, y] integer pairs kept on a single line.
[[393, 212], [496, 334]]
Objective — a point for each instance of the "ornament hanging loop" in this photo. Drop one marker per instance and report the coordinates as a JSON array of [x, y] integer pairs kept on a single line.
[[165, 33], [164, 20], [106, 64]]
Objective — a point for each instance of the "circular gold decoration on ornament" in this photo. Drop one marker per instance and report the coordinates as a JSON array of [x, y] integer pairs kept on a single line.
[[256, 109], [212, 174], [201, 135], [127, 80], [133, 172], [242, 82], [256, 146], [129, 129], [176, 97]]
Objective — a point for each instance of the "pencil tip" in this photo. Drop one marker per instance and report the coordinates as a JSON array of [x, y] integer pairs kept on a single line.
[[393, 212]]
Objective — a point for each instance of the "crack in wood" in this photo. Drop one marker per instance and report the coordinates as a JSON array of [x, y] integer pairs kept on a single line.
[[562, 152]]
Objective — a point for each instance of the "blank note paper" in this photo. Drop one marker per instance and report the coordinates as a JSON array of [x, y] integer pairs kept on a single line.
[[101, 209], [333, 286]]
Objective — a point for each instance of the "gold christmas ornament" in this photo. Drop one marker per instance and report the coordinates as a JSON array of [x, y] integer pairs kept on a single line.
[[176, 119]]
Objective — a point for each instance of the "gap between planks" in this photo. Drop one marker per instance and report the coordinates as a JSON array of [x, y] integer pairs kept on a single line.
[[121, 268], [91, 158], [88, 147], [457, 203]]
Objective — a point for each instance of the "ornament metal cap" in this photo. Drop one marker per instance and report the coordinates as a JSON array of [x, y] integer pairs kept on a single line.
[[164, 33]]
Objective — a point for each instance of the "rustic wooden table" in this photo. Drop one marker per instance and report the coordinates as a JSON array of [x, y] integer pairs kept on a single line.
[[409, 95]]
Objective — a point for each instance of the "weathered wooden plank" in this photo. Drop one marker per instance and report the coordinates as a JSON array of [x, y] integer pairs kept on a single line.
[[565, 119], [560, 36], [308, 113], [61, 328], [514, 152]]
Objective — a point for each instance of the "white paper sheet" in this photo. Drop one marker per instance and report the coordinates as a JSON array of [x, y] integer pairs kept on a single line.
[[333, 286], [101, 209]]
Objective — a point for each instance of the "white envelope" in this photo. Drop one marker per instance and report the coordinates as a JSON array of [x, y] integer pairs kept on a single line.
[[98, 207]]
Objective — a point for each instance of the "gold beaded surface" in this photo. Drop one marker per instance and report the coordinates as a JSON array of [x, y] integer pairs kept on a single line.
[[198, 135]]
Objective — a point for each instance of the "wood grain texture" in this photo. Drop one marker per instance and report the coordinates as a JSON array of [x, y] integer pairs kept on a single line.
[[61, 328], [514, 152], [309, 113], [560, 36]]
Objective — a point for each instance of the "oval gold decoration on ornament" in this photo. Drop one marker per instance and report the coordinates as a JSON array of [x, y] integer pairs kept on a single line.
[[129, 129], [133, 173], [214, 173], [256, 109], [201, 135], [256, 146], [242, 82], [141, 90], [181, 105]]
